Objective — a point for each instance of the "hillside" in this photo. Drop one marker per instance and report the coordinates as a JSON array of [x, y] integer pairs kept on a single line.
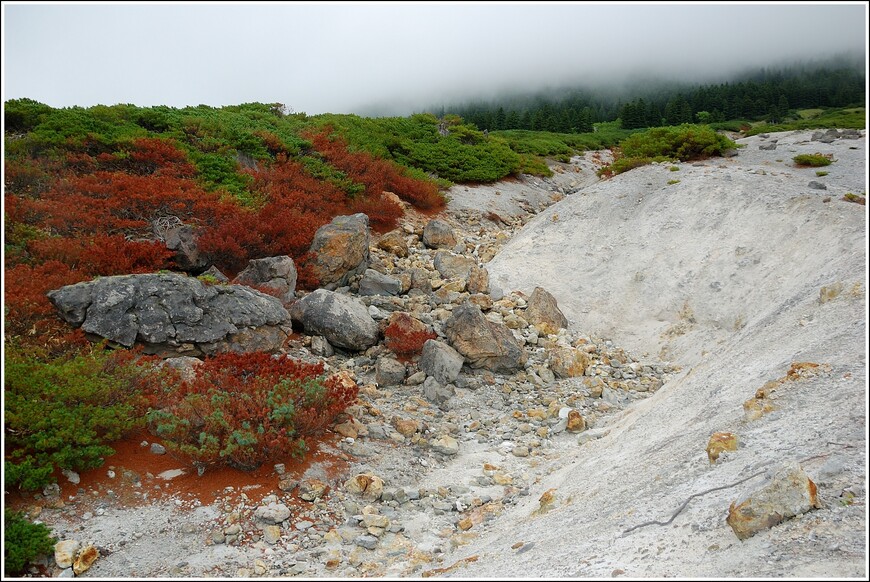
[[730, 273]]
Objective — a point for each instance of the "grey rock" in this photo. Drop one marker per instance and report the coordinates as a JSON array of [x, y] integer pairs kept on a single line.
[[274, 513], [440, 361], [184, 241], [389, 372], [277, 273], [421, 280], [174, 314], [483, 343], [817, 185], [452, 266], [320, 347], [437, 234], [770, 146], [158, 449], [368, 542], [446, 445], [341, 250], [436, 393], [416, 378], [375, 283], [343, 321]]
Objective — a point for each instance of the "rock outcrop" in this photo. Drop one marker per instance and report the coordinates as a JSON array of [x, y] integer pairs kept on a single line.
[[344, 321], [172, 314], [341, 250]]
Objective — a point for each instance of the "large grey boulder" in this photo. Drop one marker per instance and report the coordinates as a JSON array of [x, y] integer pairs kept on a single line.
[[340, 250], [344, 321], [543, 312], [441, 361], [484, 344], [278, 273], [173, 314]]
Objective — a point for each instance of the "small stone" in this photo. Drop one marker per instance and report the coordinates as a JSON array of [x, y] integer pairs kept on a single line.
[[158, 449], [65, 552], [312, 489], [368, 487], [465, 524], [271, 534], [72, 476], [368, 542], [85, 560], [260, 567], [576, 423], [272, 513], [719, 443], [446, 445], [520, 451]]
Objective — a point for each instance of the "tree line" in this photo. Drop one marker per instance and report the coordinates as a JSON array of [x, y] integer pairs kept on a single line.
[[766, 94]]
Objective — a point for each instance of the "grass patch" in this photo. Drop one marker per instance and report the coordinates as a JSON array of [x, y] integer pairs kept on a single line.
[[813, 160], [672, 182], [841, 118], [674, 169], [821, 173]]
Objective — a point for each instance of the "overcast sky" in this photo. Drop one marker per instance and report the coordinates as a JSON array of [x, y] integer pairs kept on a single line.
[[318, 57]]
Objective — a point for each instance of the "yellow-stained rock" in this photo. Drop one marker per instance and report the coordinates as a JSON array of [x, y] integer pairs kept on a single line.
[[568, 362], [789, 493], [85, 560], [719, 443], [575, 422], [369, 487]]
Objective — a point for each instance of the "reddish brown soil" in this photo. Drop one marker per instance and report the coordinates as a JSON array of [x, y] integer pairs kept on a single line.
[[134, 463]]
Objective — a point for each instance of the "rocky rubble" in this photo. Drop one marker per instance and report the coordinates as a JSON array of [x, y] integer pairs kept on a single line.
[[505, 382]]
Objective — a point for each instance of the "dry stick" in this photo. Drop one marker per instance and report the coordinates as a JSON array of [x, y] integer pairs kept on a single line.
[[686, 502]]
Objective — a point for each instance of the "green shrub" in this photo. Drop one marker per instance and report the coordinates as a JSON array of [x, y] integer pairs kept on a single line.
[[813, 160], [674, 169], [534, 165], [684, 142], [821, 173], [23, 541], [63, 414]]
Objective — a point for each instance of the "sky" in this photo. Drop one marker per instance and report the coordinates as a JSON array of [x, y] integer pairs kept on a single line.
[[396, 57]]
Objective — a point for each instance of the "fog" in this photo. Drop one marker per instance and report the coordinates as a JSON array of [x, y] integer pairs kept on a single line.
[[394, 58]]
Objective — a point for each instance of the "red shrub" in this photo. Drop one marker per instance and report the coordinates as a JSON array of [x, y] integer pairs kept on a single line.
[[245, 409], [405, 335]]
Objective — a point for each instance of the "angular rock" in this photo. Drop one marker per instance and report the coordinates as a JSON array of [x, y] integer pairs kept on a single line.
[[375, 283], [576, 423], [452, 266], [340, 250], [389, 372], [787, 494], [184, 241], [441, 361], [215, 274], [394, 242], [276, 273], [174, 314], [86, 558], [368, 487], [343, 321], [437, 234], [271, 534], [312, 489], [320, 347], [817, 185], [157, 449], [478, 280], [568, 362], [273, 513], [421, 280], [436, 393], [719, 443], [368, 542], [446, 445], [543, 312], [65, 552], [484, 344]]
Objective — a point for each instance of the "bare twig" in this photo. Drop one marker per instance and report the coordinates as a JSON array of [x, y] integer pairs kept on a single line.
[[686, 502]]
